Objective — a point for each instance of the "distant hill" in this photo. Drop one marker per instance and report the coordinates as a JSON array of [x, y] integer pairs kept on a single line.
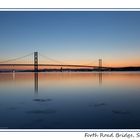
[[123, 69]]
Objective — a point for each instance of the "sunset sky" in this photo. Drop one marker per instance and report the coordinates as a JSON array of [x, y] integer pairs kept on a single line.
[[72, 37]]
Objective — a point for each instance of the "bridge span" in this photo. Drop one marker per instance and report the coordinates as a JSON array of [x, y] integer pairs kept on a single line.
[[36, 64]]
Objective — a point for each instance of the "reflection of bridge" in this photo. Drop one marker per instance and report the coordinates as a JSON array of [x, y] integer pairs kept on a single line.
[[36, 80], [36, 64]]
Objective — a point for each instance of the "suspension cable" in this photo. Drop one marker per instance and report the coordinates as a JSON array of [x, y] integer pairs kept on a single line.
[[51, 59], [9, 60]]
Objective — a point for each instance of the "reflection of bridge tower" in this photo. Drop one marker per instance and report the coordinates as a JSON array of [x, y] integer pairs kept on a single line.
[[36, 61], [36, 82], [100, 73], [100, 78]]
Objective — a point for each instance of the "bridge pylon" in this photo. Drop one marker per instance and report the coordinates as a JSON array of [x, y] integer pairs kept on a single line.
[[100, 64], [36, 61]]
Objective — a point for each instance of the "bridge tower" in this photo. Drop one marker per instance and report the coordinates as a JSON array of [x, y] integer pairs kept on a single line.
[[100, 64], [36, 61]]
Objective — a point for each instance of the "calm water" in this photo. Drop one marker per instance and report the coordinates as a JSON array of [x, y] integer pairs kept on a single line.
[[70, 100]]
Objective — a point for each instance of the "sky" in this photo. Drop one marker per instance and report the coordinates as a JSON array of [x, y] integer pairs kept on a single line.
[[72, 37]]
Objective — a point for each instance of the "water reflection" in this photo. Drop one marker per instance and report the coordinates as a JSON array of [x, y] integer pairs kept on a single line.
[[105, 79], [70, 100], [100, 78], [50, 80], [36, 82], [36, 78], [14, 75]]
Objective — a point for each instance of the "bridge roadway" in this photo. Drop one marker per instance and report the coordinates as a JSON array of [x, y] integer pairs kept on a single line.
[[59, 65]]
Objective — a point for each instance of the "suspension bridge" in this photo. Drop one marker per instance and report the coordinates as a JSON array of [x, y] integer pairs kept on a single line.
[[36, 64]]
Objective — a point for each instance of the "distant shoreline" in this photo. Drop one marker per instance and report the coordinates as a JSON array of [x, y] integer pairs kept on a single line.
[[103, 69]]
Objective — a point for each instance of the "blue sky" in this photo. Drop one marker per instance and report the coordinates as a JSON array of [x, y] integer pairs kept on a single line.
[[72, 37]]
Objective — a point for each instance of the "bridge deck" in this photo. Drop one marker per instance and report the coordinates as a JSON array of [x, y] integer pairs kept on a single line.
[[59, 65]]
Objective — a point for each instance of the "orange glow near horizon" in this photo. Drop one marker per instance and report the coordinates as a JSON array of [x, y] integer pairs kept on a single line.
[[105, 63], [58, 67]]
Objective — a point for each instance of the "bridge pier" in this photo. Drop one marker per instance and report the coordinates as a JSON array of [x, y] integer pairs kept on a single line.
[[35, 61]]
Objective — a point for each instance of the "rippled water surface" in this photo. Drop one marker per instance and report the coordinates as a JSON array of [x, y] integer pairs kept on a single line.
[[70, 100]]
